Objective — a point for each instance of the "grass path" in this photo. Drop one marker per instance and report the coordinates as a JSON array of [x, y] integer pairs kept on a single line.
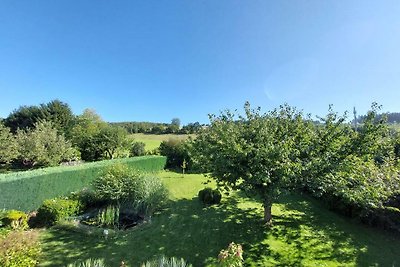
[[304, 234]]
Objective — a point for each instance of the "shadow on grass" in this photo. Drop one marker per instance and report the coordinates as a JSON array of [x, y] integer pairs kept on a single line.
[[303, 234]]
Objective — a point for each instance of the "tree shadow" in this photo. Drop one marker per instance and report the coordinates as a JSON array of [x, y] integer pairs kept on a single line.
[[303, 232], [330, 237]]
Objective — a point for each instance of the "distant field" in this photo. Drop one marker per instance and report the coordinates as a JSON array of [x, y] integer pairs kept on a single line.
[[153, 141]]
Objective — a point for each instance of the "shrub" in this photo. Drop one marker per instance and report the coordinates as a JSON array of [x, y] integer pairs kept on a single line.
[[43, 146], [150, 194], [210, 196], [176, 152], [54, 210], [88, 198], [16, 219], [27, 190], [115, 184], [166, 262], [232, 256], [138, 149], [89, 263], [19, 249]]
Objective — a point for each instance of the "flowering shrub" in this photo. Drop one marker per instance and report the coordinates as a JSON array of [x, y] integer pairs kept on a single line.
[[232, 256]]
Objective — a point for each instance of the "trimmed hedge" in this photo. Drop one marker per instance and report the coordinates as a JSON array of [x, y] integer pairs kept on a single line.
[[27, 190]]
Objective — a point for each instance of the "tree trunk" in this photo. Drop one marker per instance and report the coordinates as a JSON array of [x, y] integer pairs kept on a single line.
[[267, 212]]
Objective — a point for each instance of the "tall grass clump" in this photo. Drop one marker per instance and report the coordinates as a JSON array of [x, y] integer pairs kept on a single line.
[[166, 262], [108, 216], [89, 263]]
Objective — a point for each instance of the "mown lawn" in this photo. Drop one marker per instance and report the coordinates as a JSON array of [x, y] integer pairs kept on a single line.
[[304, 234], [153, 141]]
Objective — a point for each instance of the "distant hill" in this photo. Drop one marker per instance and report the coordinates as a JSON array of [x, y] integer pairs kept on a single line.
[[392, 117]]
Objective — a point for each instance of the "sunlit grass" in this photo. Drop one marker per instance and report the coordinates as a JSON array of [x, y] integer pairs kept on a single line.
[[153, 141], [304, 234]]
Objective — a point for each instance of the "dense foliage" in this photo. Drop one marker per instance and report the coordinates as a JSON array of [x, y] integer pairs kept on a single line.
[[43, 146], [138, 149], [8, 145], [56, 112], [176, 152], [210, 196], [54, 210], [353, 170], [258, 153]]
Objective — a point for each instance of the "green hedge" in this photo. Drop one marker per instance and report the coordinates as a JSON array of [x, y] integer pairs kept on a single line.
[[27, 190]]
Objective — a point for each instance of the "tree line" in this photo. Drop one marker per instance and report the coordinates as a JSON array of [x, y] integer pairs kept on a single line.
[[49, 133]]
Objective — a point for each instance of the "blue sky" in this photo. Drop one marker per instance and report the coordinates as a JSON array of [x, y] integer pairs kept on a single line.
[[156, 60]]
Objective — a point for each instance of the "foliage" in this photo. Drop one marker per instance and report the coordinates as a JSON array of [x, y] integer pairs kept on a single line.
[[150, 195], [115, 184], [56, 112], [166, 262], [20, 249], [57, 209], [353, 171], [96, 139], [232, 256], [8, 145], [138, 149], [108, 216], [141, 194], [259, 153], [43, 146], [16, 219], [87, 197], [89, 263], [176, 152], [210, 196], [27, 190]]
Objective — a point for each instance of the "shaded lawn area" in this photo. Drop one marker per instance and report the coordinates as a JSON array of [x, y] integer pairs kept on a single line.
[[304, 234]]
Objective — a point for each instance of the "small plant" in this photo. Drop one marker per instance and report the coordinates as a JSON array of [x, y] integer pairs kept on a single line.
[[19, 249], [166, 262], [108, 216], [210, 196], [184, 166], [54, 210], [89, 263], [138, 149], [16, 219], [232, 256]]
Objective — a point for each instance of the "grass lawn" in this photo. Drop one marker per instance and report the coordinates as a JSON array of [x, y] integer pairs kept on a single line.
[[153, 141], [304, 234]]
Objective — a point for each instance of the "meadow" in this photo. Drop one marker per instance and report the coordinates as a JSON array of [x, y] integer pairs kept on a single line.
[[153, 141], [304, 233]]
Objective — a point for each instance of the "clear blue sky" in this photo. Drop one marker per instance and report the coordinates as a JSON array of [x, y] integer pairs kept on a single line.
[[155, 60]]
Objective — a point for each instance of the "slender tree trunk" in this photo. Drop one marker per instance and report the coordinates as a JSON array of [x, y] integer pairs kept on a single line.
[[267, 212]]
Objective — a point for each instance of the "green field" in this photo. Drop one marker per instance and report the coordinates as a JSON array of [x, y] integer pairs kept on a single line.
[[304, 233], [153, 141]]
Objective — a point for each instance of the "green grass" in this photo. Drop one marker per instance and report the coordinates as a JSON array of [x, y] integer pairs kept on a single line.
[[153, 141], [304, 234]]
